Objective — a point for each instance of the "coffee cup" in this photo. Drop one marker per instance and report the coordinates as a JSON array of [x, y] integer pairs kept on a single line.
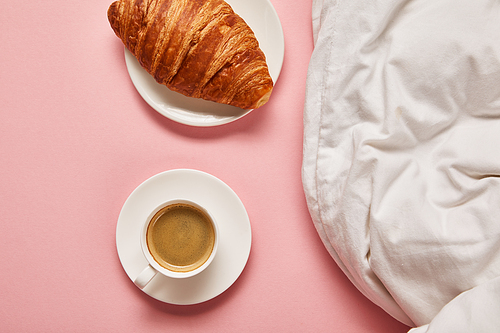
[[179, 240]]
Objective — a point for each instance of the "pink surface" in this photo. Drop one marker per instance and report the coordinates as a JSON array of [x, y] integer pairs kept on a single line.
[[76, 139]]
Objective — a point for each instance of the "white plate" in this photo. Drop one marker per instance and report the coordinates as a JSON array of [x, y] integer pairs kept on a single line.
[[261, 16], [219, 199]]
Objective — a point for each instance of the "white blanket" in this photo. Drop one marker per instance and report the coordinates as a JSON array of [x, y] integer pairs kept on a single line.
[[401, 165]]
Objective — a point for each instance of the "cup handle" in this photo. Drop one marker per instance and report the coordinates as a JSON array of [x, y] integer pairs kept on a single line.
[[146, 275]]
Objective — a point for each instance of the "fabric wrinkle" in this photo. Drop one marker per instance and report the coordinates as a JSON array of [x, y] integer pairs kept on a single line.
[[401, 169]]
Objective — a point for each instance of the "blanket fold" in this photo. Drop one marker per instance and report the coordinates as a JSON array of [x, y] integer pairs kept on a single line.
[[401, 164]]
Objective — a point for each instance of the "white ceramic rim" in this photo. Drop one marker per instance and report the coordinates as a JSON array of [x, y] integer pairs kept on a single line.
[[262, 17], [155, 264], [232, 220]]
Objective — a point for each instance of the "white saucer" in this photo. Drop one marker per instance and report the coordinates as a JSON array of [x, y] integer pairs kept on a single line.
[[220, 200], [261, 16]]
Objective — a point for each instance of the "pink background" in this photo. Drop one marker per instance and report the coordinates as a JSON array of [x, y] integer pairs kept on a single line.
[[76, 139]]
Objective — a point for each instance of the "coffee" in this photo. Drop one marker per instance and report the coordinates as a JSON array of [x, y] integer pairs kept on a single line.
[[180, 237]]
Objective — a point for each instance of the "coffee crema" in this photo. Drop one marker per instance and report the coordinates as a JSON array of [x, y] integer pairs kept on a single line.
[[180, 237]]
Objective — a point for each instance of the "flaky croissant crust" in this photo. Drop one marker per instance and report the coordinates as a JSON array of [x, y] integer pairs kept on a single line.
[[199, 48]]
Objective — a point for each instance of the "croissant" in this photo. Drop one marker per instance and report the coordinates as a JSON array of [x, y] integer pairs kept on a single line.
[[199, 48]]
